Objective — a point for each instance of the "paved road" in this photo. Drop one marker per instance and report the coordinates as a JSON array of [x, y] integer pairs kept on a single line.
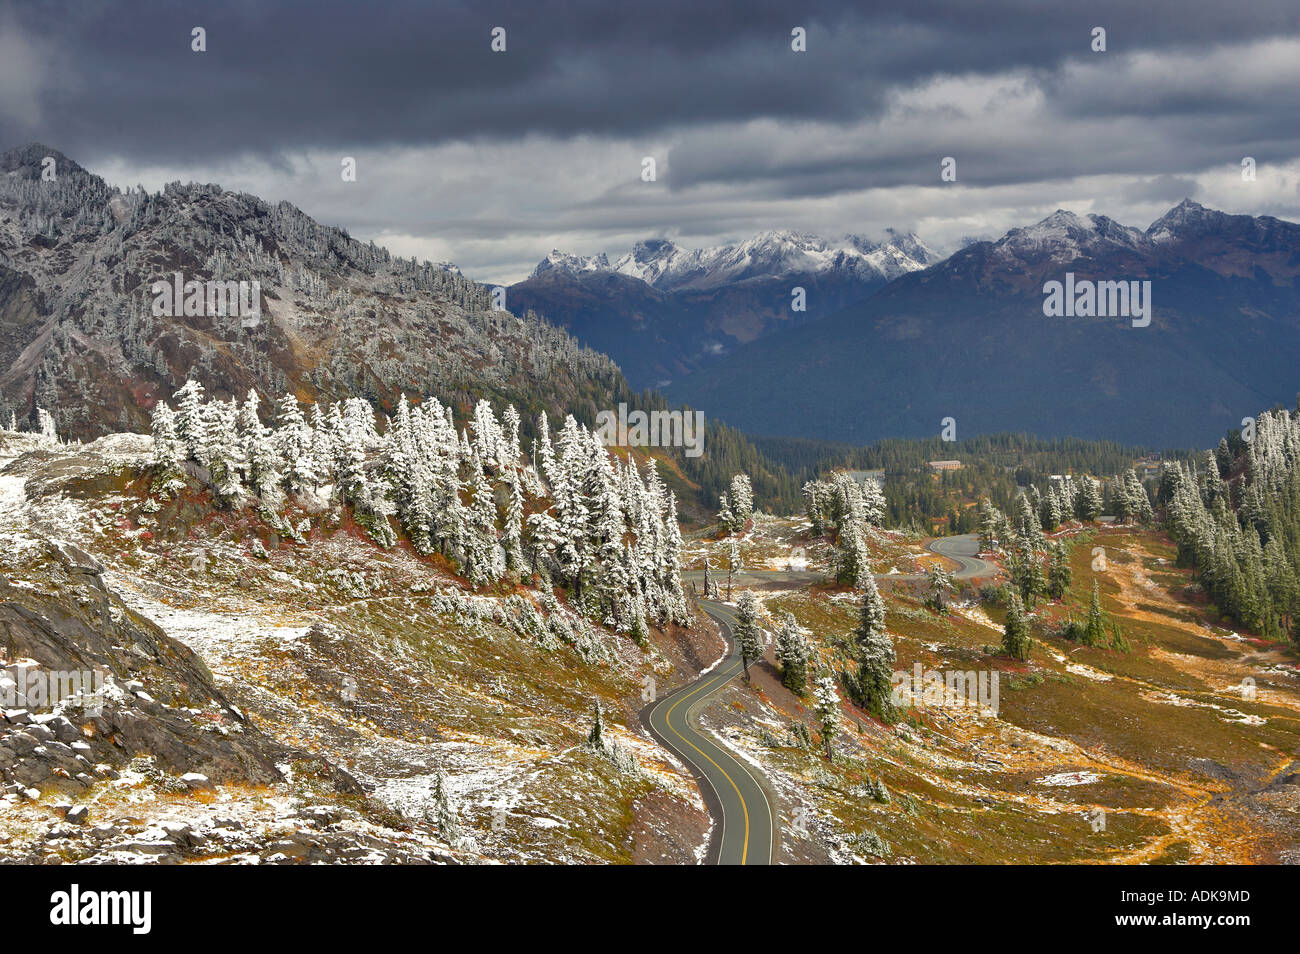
[[965, 550], [744, 834], [962, 549]]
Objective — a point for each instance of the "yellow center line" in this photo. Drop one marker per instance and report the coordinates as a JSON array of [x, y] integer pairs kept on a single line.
[[744, 852]]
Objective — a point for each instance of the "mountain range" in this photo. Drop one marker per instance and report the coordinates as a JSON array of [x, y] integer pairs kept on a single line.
[[968, 338], [893, 341], [663, 311]]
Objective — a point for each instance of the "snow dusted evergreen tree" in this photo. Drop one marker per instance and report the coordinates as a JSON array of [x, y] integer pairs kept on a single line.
[[226, 457], [940, 584], [726, 516], [45, 425], [293, 443], [814, 505], [169, 451], [873, 503], [1016, 641], [841, 504], [794, 653], [871, 686], [738, 504], [1049, 511], [1025, 522], [598, 528], [852, 561], [1059, 574], [191, 422], [513, 534], [749, 637], [990, 522], [826, 706], [1094, 629], [262, 462], [1088, 504]]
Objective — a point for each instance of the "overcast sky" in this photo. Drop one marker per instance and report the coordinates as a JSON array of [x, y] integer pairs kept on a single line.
[[492, 159]]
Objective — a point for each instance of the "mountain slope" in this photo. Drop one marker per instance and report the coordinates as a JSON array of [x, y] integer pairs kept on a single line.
[[664, 312], [968, 339], [338, 317]]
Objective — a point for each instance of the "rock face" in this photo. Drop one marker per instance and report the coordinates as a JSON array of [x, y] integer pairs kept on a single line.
[[77, 626], [80, 336], [141, 693]]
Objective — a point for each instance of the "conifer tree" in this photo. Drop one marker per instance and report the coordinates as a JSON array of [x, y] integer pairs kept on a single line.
[[872, 686], [1059, 574], [1094, 631], [1016, 641], [794, 653], [749, 638], [826, 706]]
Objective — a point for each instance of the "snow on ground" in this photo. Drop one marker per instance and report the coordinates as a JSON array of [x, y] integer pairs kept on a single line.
[[216, 637], [1228, 715], [1079, 669], [1066, 779]]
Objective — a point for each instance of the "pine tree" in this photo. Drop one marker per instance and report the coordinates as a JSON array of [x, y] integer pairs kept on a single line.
[[940, 583], [852, 559], [1088, 506], [1016, 641], [794, 653], [293, 439], [191, 421], [734, 563], [512, 538], [596, 737], [1059, 574], [872, 686], [168, 450], [1094, 632], [263, 464], [826, 706], [742, 501], [725, 515], [1027, 574], [749, 637], [990, 520], [443, 811]]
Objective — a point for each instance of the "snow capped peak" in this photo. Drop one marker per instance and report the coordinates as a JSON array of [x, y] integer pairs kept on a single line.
[[769, 254], [569, 264], [649, 259], [1182, 216], [1066, 235]]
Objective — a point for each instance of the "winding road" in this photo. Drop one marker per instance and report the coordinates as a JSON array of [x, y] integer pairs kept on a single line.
[[733, 791], [745, 833], [962, 550]]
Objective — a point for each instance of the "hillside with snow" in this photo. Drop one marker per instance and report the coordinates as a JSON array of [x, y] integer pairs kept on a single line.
[[284, 683]]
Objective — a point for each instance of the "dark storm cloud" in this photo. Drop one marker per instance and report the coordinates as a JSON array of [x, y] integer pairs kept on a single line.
[[492, 159], [325, 74]]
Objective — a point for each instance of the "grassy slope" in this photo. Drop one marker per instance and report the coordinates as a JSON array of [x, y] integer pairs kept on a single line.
[[1161, 738]]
